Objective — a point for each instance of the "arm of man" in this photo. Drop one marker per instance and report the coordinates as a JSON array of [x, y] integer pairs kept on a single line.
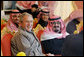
[[20, 44]]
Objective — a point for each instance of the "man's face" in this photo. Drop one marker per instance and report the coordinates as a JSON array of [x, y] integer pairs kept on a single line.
[[15, 18], [56, 27], [45, 16], [27, 23], [33, 9]]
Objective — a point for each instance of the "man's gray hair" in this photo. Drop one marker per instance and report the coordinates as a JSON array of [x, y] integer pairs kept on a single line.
[[23, 14]]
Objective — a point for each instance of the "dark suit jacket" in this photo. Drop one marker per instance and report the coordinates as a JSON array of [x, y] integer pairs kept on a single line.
[[73, 45]]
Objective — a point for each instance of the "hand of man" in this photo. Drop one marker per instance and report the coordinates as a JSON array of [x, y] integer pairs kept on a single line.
[[49, 54]]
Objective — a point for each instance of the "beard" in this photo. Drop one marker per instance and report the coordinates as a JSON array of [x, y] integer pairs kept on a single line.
[[57, 31], [16, 25]]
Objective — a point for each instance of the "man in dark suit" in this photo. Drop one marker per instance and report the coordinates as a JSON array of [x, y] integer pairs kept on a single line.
[[73, 44]]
